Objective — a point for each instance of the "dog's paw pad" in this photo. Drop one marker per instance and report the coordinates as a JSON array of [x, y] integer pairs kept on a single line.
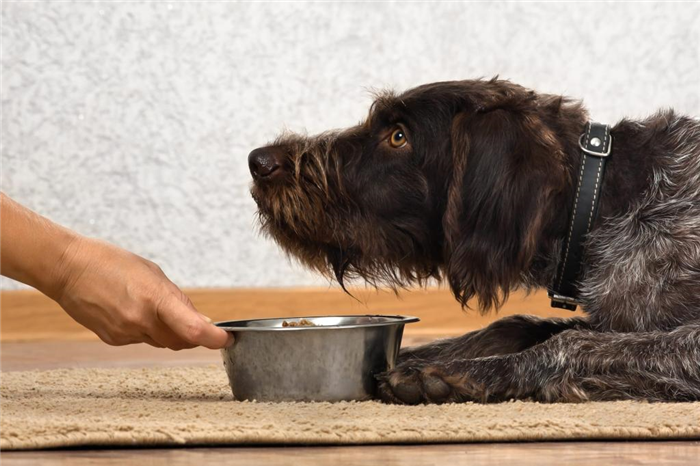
[[408, 392], [401, 386], [413, 385], [436, 388]]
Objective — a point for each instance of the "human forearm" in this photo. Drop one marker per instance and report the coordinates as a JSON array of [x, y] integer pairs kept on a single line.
[[33, 249]]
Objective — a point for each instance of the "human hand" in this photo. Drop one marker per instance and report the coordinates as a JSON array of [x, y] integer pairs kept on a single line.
[[126, 299]]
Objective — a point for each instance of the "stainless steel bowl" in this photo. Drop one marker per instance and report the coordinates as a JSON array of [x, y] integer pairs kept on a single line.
[[334, 360]]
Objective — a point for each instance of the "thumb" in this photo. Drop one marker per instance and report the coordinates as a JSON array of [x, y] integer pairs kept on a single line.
[[189, 325]]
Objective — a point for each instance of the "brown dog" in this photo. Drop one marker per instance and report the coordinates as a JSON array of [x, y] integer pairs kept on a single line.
[[473, 182]]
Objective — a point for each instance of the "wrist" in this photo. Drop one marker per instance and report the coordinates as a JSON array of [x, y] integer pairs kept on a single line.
[[65, 264]]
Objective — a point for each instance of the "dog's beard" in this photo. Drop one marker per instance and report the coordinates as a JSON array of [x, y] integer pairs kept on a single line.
[[300, 236], [348, 250]]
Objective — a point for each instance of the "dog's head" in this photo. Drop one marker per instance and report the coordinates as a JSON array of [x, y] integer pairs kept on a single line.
[[454, 179]]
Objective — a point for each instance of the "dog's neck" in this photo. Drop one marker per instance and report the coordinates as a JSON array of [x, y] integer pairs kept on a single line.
[[628, 171], [626, 178]]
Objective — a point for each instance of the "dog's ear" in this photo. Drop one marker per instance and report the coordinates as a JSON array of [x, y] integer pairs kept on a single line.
[[507, 169]]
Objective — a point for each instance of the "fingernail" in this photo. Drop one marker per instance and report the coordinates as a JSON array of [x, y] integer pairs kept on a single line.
[[205, 318], [230, 340]]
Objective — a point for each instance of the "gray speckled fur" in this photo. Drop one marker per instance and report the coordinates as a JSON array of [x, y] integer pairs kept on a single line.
[[645, 272]]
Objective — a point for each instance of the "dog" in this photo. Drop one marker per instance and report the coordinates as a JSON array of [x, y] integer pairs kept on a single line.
[[473, 182]]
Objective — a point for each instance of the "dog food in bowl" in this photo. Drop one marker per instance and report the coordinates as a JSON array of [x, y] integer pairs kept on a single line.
[[299, 323]]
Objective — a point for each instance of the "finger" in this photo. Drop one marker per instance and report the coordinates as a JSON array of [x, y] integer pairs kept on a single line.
[[164, 336], [186, 299], [188, 325]]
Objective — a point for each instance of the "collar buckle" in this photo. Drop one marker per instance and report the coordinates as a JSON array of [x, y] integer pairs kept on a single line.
[[563, 302]]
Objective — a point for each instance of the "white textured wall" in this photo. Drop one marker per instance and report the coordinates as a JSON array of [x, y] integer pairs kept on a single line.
[[132, 122]]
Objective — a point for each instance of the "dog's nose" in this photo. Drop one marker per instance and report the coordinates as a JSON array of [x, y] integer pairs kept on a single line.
[[265, 162]]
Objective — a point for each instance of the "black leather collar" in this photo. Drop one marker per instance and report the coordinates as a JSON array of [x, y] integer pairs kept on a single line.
[[596, 146]]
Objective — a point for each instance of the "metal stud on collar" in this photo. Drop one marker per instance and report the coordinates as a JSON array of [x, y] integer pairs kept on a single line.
[[591, 152]]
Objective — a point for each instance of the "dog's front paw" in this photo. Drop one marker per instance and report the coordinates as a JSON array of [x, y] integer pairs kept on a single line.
[[413, 383]]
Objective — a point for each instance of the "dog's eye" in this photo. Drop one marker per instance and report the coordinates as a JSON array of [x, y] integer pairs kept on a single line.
[[398, 138]]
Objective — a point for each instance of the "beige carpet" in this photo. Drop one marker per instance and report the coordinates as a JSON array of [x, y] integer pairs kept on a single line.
[[193, 406]]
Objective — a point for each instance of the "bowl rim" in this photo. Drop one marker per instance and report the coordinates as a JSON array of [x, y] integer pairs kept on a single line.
[[396, 320]]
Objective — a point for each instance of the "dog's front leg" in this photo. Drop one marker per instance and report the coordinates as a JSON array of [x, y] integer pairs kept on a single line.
[[508, 335], [575, 365]]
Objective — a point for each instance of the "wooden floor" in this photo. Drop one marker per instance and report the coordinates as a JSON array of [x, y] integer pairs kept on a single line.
[[535, 454], [67, 345]]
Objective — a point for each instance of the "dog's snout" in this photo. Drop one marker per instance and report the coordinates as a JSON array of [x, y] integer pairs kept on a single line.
[[265, 162]]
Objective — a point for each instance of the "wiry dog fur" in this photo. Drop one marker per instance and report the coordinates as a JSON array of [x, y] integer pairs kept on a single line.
[[480, 196]]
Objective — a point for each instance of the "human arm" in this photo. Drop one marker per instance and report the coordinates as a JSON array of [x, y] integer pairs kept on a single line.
[[120, 296]]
